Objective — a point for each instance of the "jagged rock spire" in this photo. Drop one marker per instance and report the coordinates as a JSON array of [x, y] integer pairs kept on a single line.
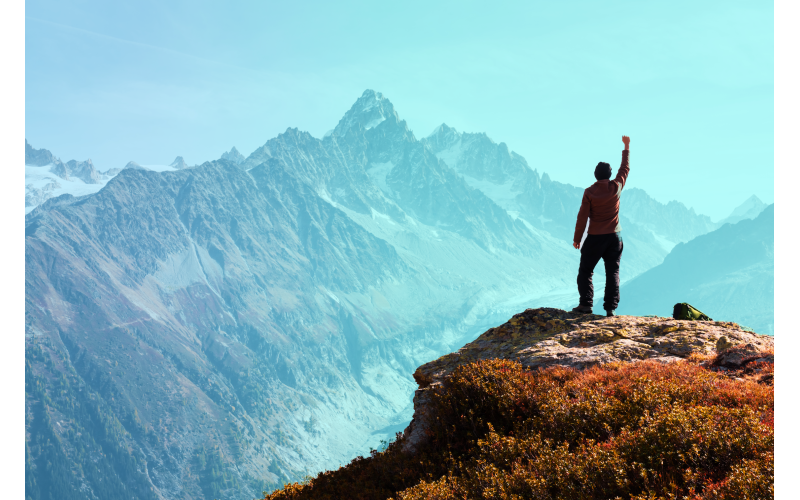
[[370, 110], [179, 163], [233, 156], [37, 157]]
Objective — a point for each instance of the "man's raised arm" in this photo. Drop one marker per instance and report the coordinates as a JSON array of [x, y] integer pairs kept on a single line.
[[624, 168]]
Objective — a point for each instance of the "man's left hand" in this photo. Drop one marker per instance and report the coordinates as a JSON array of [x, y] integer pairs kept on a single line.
[[577, 245]]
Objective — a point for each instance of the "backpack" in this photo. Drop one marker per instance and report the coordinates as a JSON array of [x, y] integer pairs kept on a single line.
[[682, 310]]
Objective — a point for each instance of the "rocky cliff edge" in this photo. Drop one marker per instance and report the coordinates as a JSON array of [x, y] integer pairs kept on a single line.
[[543, 337]]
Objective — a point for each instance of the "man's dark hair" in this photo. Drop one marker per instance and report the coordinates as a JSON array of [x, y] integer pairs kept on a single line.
[[602, 171]]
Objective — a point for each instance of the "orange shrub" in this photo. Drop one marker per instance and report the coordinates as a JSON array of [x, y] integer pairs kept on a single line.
[[625, 430]]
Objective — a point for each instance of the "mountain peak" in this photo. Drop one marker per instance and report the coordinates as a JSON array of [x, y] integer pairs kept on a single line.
[[749, 209], [442, 137], [754, 202], [233, 156], [179, 163], [37, 157], [369, 110], [83, 170], [443, 129]]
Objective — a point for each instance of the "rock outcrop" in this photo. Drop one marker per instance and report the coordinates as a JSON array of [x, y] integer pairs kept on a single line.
[[83, 170], [37, 157], [543, 337], [178, 163], [233, 156]]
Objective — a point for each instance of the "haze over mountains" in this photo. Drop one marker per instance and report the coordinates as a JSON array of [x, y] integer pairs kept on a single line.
[[728, 273], [217, 329]]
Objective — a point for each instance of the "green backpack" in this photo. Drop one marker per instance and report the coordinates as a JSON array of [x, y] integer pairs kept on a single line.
[[682, 310]]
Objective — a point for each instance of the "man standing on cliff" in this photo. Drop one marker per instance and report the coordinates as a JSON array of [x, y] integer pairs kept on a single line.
[[601, 206]]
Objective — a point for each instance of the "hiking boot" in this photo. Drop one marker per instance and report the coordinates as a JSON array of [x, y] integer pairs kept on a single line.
[[610, 313], [582, 310]]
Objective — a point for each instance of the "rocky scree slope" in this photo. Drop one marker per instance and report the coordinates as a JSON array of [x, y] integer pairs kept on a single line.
[[162, 300]]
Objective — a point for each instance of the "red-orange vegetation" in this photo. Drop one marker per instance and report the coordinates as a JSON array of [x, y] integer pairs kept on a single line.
[[625, 430]]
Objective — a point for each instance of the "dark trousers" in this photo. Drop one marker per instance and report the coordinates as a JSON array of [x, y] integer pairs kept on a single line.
[[609, 248]]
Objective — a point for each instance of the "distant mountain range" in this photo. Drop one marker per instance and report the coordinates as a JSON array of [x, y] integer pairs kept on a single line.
[[215, 330], [727, 273], [46, 176]]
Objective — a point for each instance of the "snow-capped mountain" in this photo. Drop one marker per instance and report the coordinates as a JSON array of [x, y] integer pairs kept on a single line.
[[242, 322], [46, 176]]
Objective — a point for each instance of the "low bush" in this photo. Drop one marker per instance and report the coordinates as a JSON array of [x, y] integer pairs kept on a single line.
[[627, 430]]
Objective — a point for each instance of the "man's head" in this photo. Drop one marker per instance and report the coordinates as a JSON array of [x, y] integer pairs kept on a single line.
[[602, 171]]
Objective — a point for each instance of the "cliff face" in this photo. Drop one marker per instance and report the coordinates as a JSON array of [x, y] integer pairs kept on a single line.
[[539, 338]]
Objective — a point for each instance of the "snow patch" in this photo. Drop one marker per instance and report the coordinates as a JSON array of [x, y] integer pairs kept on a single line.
[[501, 194], [160, 168], [375, 214], [41, 184], [377, 172], [326, 196], [452, 155], [666, 244], [332, 295], [374, 123]]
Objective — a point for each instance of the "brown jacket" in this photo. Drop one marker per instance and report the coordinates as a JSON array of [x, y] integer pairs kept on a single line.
[[601, 203]]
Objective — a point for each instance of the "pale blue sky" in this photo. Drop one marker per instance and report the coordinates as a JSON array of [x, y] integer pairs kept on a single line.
[[559, 82]]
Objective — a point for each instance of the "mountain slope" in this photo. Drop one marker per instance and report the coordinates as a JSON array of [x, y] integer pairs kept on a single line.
[[728, 273], [247, 298]]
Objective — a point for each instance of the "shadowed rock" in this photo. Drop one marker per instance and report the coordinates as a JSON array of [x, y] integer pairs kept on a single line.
[[84, 171], [178, 163], [37, 157], [233, 156]]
